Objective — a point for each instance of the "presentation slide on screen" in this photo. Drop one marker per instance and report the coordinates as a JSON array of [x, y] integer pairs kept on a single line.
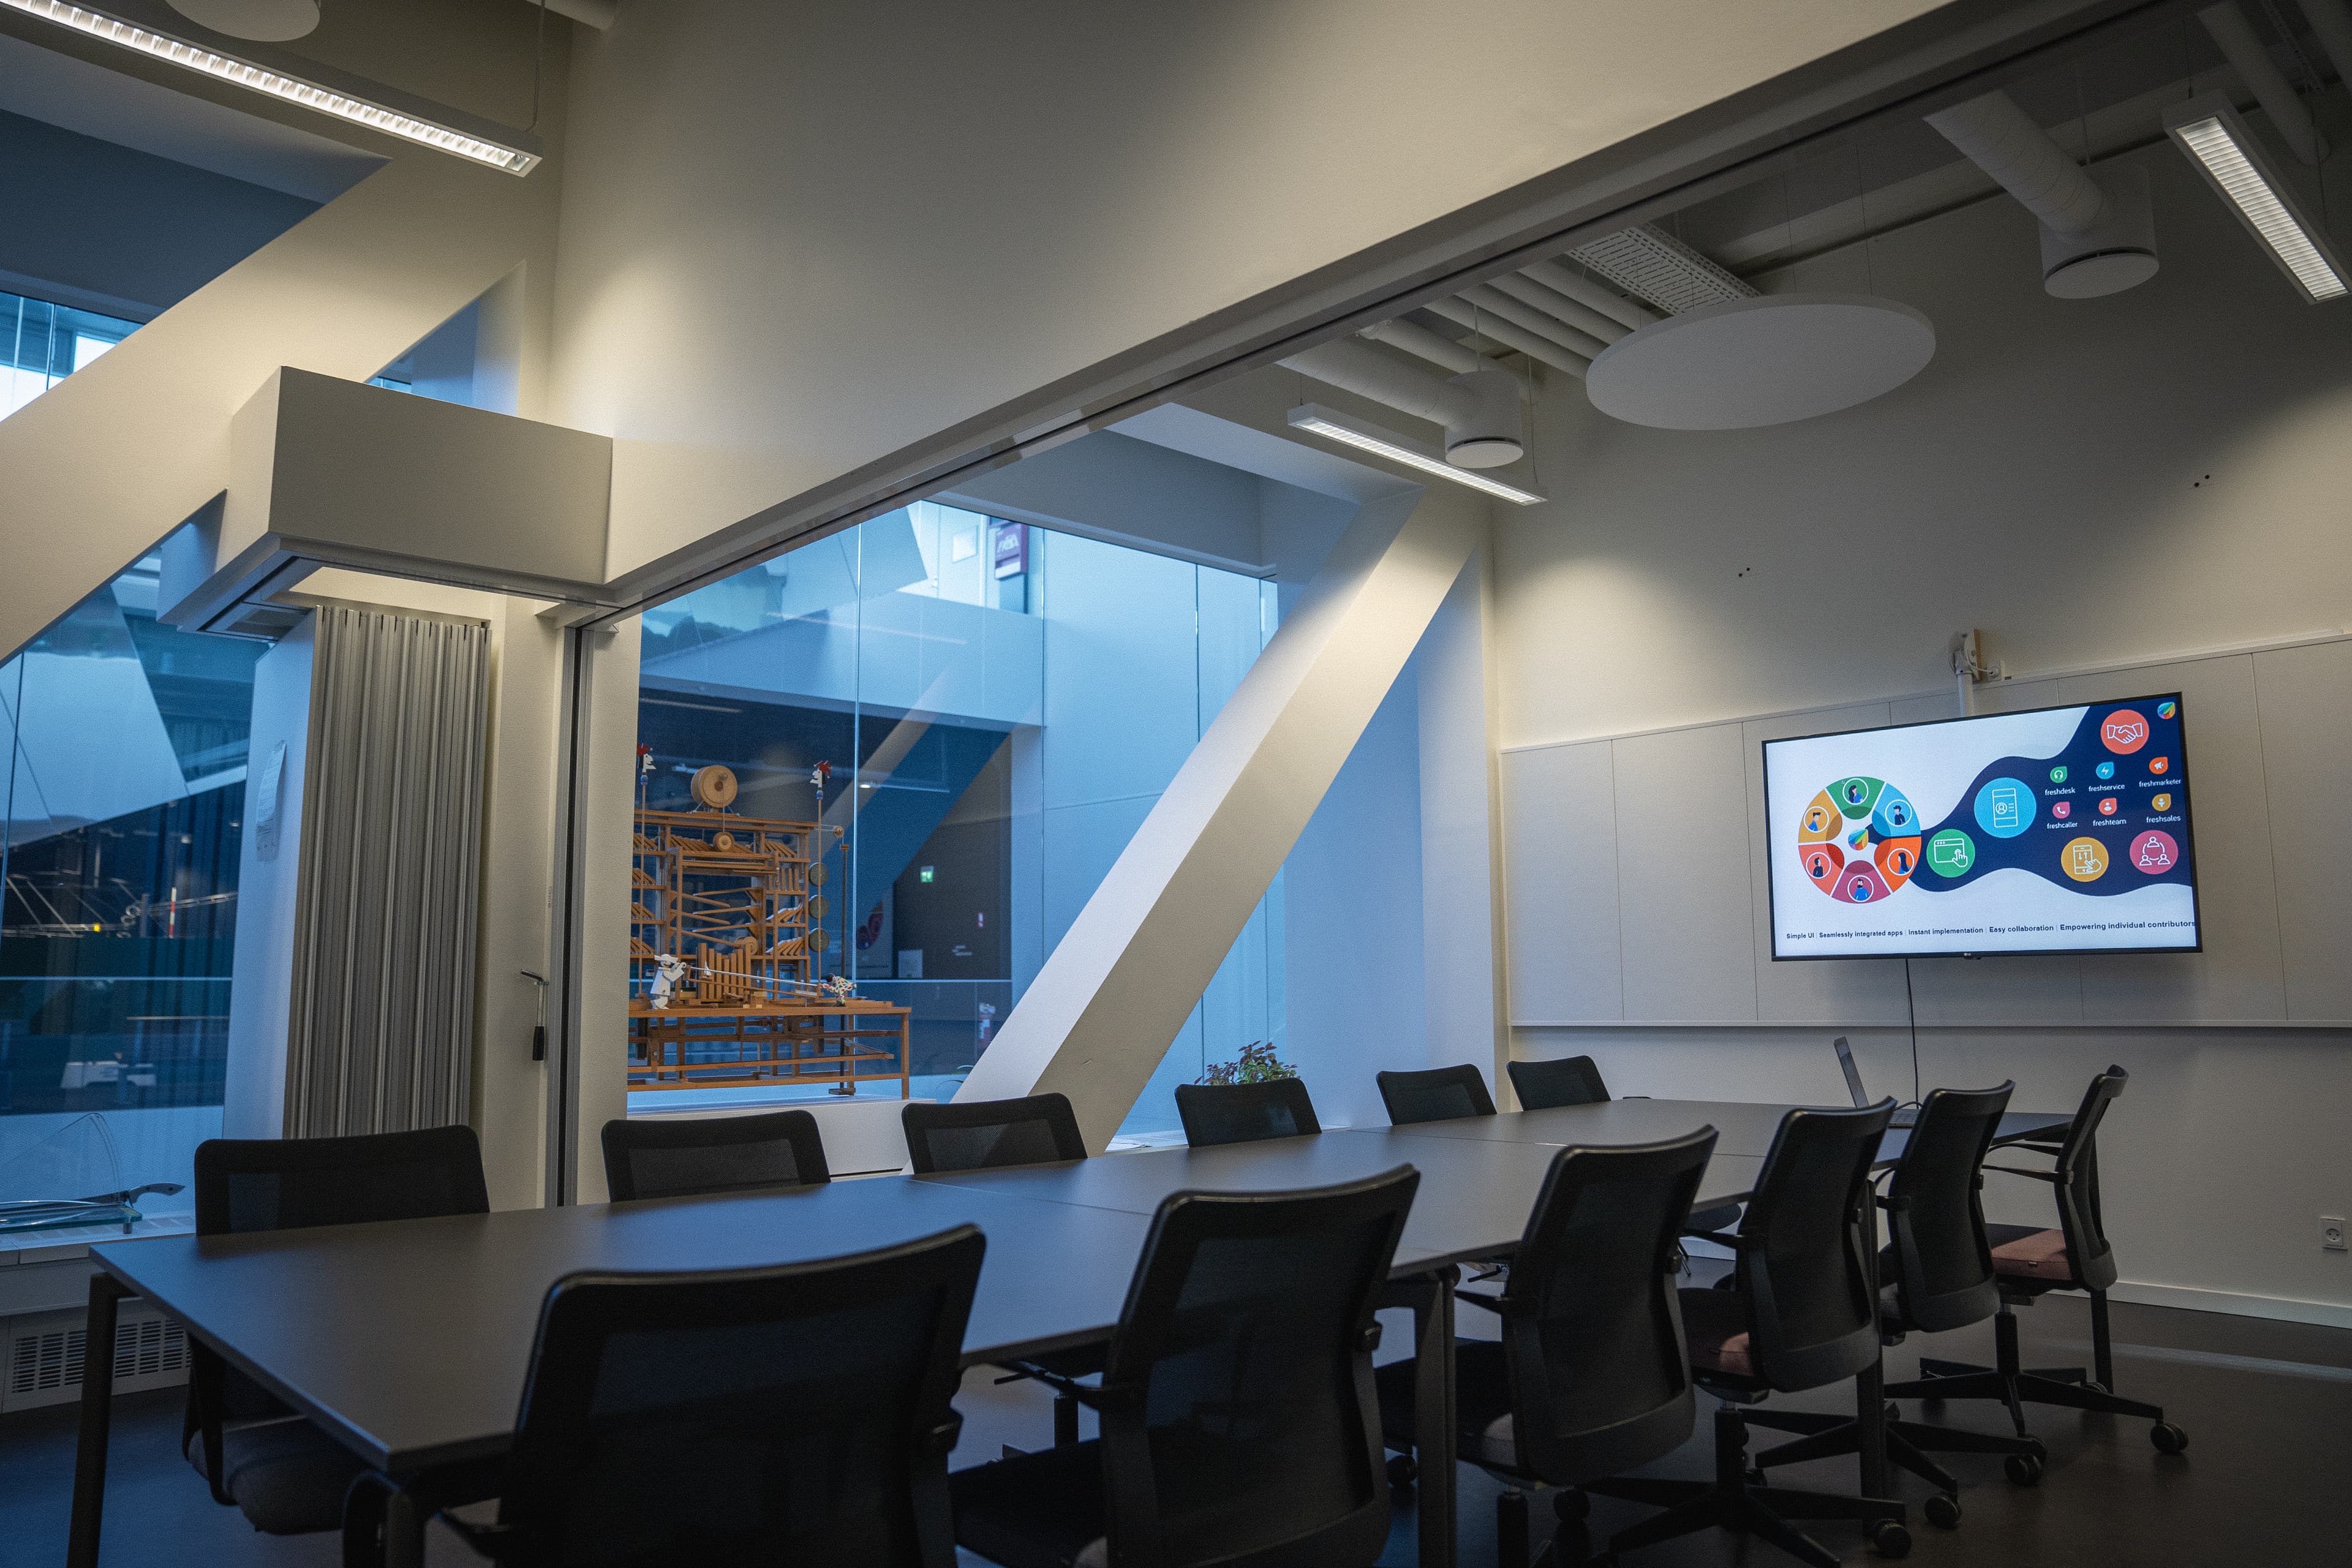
[[2062, 829]]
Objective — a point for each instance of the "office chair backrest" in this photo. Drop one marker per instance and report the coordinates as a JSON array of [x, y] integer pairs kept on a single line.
[[1811, 1316], [1935, 1221], [694, 1156], [989, 1133], [290, 1184], [1439, 1094], [1245, 1112], [245, 1185], [798, 1413], [1240, 1422], [2093, 1257], [1592, 1334], [1572, 1081]]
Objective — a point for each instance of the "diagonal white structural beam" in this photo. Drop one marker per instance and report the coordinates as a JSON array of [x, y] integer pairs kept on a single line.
[[1104, 1009], [116, 456]]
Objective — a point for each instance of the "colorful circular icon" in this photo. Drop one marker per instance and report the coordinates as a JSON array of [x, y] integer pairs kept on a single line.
[[2106, 770], [2004, 807], [2109, 805], [2123, 732], [2167, 709], [2158, 764], [2160, 802], [2155, 853], [2084, 859], [2062, 809], [1951, 852], [1857, 840], [2058, 775]]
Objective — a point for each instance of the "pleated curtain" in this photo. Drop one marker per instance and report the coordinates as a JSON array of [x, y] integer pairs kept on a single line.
[[381, 1027]]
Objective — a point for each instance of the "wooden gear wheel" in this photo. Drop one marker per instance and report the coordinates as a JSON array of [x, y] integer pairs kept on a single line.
[[714, 786]]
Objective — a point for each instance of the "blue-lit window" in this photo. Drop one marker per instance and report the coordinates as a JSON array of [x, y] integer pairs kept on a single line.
[[42, 343]]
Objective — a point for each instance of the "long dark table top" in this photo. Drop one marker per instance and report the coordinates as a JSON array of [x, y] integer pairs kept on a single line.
[[409, 1340], [1741, 1128]]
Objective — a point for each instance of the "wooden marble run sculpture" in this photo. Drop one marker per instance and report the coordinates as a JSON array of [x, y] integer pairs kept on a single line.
[[739, 900]]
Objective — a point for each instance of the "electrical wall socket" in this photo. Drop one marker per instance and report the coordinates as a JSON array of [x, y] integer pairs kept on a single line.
[[2331, 1233]]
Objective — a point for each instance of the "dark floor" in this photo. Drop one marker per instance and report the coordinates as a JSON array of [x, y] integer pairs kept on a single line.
[[2268, 1407]]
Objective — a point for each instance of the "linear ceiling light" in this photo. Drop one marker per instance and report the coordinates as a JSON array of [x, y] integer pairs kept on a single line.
[[2218, 143], [1373, 439], [279, 85]]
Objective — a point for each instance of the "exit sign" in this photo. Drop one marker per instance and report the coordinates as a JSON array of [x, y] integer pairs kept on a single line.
[[926, 873]]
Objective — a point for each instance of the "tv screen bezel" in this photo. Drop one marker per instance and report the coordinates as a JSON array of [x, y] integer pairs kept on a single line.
[[1772, 858]]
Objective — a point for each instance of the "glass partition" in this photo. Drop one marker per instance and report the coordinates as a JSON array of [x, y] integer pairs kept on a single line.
[[124, 802], [941, 728]]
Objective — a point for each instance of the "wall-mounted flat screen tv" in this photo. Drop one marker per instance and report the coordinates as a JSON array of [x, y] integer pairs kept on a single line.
[[2053, 830]]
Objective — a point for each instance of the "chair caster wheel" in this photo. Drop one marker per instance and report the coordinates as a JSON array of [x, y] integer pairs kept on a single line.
[[1403, 1470], [2167, 1439], [1942, 1511], [2040, 1454], [1889, 1539], [1571, 1506], [2025, 1470]]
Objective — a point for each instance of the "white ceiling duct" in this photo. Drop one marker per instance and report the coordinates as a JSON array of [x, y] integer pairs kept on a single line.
[[1588, 322], [2098, 236], [1543, 351], [2253, 62], [1432, 346], [1630, 313], [1493, 302], [1480, 411], [1768, 360]]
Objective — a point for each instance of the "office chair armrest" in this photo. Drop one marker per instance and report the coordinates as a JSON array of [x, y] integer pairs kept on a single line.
[[1480, 1298], [2029, 1175]]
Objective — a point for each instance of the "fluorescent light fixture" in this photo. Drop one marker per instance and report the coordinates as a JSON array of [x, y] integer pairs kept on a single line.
[[280, 85], [1373, 439], [2218, 143]]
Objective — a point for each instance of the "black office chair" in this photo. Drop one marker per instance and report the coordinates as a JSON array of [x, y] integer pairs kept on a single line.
[[1438, 1094], [1576, 1080], [1590, 1377], [286, 1476], [991, 1133], [1572, 1081], [2028, 1264], [1239, 1418], [696, 1156], [797, 1414], [996, 1134], [1937, 1276], [1245, 1112], [1803, 1316]]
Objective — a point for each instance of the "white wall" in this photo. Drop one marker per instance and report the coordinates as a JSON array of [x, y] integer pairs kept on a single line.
[[253, 1102], [798, 239], [1356, 993], [2098, 483]]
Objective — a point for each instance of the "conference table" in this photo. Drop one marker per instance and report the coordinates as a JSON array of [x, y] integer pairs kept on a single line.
[[407, 1341]]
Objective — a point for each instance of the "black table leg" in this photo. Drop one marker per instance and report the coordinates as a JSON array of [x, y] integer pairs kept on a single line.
[[1431, 1296], [1869, 1384], [97, 1415]]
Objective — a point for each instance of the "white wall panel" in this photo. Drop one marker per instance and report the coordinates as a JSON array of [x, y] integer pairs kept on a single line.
[[2303, 695], [1560, 869], [1684, 876]]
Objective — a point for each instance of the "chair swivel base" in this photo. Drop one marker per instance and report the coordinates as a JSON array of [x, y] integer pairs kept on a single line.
[[1908, 1443], [1733, 1502]]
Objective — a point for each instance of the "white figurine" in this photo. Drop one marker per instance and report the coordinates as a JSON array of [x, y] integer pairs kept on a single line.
[[668, 970]]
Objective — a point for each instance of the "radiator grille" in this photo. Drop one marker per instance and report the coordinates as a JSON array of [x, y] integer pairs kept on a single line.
[[47, 1355]]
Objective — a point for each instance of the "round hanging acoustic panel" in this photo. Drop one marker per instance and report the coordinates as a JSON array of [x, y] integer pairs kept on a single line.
[[1765, 360], [269, 21]]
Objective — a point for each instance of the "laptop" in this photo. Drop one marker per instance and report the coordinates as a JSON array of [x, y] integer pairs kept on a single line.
[[1906, 1117]]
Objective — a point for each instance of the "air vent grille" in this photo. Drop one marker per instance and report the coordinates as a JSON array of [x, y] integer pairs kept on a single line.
[[1653, 264], [47, 1355]]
